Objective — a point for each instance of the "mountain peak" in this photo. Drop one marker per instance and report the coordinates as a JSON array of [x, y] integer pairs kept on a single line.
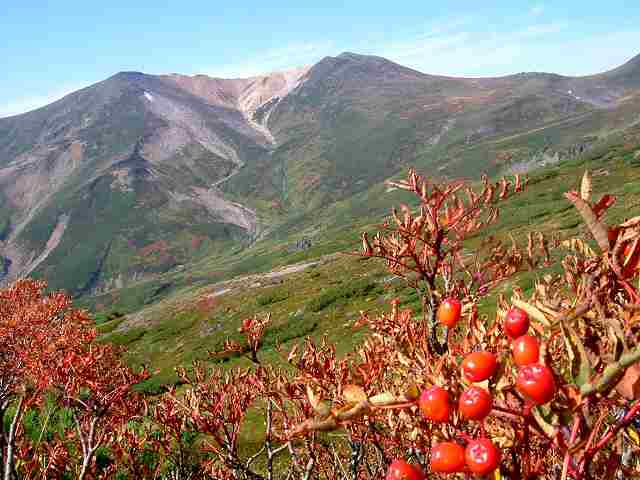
[[129, 75], [351, 55], [634, 61], [632, 65], [358, 57], [626, 75]]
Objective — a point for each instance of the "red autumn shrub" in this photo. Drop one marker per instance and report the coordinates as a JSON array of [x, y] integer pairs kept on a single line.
[[563, 411]]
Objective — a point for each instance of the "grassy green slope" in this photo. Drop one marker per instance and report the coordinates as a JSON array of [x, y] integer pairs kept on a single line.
[[324, 299]]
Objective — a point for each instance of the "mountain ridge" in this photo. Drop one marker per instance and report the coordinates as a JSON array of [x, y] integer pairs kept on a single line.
[[120, 180], [630, 66]]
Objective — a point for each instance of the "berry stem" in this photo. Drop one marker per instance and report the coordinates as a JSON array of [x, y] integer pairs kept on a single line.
[[510, 411]]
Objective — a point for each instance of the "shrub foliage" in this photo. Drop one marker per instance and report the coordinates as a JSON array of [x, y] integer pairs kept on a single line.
[[439, 390]]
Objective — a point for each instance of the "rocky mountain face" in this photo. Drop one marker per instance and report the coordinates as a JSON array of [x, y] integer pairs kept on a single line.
[[139, 174], [124, 169]]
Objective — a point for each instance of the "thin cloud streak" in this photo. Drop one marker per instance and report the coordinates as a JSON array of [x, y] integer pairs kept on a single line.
[[542, 29], [276, 59], [544, 46], [536, 10], [443, 47], [33, 102]]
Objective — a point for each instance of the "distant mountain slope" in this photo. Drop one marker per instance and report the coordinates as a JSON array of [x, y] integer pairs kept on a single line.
[[140, 174], [129, 162], [357, 119]]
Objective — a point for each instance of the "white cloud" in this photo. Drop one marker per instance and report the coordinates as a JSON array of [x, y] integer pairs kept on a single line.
[[605, 52], [290, 56], [424, 46], [542, 29], [32, 102], [458, 47], [536, 10], [461, 51], [532, 46]]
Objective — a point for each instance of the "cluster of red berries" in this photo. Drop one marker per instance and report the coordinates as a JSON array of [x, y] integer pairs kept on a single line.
[[480, 457], [534, 381]]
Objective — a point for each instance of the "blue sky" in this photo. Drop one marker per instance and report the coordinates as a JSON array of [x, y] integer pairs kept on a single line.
[[52, 47]]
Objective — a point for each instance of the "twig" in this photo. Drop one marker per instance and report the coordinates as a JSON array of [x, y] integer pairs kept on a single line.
[[572, 439], [572, 314], [606, 438], [611, 373], [11, 440], [311, 463]]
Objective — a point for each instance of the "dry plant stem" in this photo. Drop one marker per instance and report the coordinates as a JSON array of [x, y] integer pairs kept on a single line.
[[271, 452], [336, 457], [611, 373], [11, 440], [87, 443], [308, 471], [295, 458], [5, 401], [376, 443], [509, 413], [526, 460], [572, 439], [254, 457], [356, 457], [574, 313], [596, 429], [267, 440]]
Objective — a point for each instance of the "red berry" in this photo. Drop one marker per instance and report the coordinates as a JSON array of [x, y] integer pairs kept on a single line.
[[401, 470], [481, 456], [475, 403], [516, 323], [526, 350], [434, 404], [479, 366], [449, 312], [536, 382], [447, 457]]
